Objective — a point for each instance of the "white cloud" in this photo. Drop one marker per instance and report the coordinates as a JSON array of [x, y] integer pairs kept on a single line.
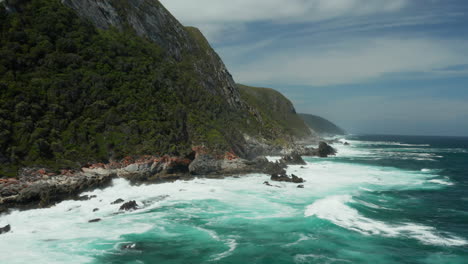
[[353, 61], [203, 11], [217, 17]]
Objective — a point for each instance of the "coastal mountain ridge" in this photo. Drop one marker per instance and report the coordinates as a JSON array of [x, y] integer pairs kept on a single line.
[[321, 125], [85, 81]]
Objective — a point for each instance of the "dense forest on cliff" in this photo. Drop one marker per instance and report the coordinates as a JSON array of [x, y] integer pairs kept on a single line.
[[71, 93]]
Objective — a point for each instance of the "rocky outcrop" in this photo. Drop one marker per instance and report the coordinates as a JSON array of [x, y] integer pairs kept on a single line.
[[31, 191], [128, 206], [293, 159], [325, 150], [206, 164], [286, 178]]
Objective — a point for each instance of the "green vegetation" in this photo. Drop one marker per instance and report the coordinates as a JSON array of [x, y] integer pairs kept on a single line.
[[322, 125], [72, 94], [277, 114]]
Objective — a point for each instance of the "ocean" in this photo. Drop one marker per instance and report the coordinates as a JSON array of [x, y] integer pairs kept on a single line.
[[382, 199]]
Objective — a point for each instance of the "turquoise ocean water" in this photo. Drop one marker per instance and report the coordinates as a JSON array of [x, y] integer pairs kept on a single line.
[[383, 199]]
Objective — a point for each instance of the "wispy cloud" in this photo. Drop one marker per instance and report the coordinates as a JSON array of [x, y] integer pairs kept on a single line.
[[355, 60], [216, 17]]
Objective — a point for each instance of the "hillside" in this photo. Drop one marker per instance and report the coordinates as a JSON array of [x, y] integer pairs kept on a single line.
[[93, 81], [322, 125], [276, 112]]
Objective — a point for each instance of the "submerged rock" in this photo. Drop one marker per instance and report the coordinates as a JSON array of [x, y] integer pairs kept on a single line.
[[95, 209], [267, 183], [5, 229], [118, 201], [132, 205], [300, 186], [94, 220]]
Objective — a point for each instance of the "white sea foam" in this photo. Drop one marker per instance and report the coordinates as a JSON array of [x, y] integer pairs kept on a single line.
[[336, 210], [305, 258], [442, 182], [273, 158]]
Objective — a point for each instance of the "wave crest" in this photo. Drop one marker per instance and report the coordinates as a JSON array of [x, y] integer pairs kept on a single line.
[[334, 209]]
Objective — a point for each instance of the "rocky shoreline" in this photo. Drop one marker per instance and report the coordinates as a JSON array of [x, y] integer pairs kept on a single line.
[[40, 188]]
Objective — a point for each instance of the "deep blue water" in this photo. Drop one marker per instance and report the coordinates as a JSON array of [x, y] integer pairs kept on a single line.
[[382, 199]]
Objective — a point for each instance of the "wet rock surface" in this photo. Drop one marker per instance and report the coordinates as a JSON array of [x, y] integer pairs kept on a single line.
[[128, 206], [94, 220], [5, 229]]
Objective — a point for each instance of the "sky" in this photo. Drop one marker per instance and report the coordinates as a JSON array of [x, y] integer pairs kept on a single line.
[[370, 66]]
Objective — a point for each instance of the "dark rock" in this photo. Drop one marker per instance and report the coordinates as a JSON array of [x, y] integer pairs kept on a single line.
[[275, 168], [94, 220], [325, 150], [280, 178], [5, 229], [267, 183], [293, 159], [118, 201], [132, 205], [300, 186], [286, 178], [296, 179], [346, 144], [95, 209]]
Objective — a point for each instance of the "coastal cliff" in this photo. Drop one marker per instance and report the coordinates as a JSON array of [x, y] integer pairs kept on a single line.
[[86, 82]]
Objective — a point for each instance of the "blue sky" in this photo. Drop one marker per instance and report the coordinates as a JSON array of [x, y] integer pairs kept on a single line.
[[371, 66]]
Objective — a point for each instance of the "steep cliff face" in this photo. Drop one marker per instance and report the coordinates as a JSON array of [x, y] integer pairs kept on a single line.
[[149, 19]]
